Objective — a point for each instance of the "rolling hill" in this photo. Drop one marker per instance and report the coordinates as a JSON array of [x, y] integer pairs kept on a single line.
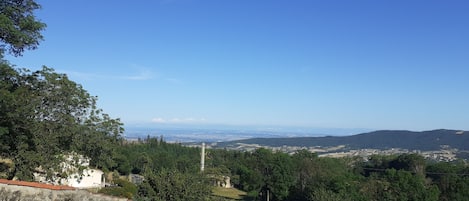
[[384, 139]]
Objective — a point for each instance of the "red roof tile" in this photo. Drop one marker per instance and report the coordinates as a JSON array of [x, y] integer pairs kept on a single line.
[[36, 185]]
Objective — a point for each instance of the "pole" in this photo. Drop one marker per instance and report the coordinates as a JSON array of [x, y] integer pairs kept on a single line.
[[202, 158]]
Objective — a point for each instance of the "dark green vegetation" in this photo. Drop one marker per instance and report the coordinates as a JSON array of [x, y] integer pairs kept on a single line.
[[44, 115], [19, 29], [304, 176], [172, 171], [122, 188], [424, 141]]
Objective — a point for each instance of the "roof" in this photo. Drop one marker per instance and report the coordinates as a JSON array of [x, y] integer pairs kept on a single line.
[[35, 185]]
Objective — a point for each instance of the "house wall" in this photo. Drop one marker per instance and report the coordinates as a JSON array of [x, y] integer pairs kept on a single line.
[[17, 193], [90, 178]]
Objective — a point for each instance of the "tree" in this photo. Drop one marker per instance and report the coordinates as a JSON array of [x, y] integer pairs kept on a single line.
[[44, 116], [399, 185], [268, 174], [411, 162], [172, 185], [19, 28], [452, 180], [124, 188], [322, 194]]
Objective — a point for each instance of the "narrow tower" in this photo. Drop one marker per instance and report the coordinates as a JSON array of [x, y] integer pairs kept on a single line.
[[202, 158]]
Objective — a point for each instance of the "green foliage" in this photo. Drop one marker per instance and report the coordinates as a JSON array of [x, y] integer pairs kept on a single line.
[[263, 172], [19, 28], [322, 194], [44, 115], [318, 177], [172, 185], [398, 177], [411, 162], [154, 155], [302, 176], [400, 185], [122, 164], [454, 183], [123, 189]]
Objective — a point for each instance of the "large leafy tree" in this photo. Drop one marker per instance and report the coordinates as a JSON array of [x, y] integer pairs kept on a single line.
[[452, 180], [267, 174], [173, 185], [44, 115], [399, 185], [19, 28]]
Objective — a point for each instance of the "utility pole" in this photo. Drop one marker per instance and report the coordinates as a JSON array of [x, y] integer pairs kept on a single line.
[[202, 158]]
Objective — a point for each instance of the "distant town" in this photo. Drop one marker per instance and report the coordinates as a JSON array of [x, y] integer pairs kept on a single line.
[[445, 154], [436, 145]]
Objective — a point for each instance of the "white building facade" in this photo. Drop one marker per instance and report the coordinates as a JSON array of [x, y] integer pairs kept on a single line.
[[79, 174]]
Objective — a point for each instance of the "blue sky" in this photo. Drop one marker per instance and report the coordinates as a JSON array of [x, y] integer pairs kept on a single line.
[[317, 64]]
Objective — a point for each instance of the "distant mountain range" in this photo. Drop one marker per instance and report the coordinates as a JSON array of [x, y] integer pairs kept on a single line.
[[384, 139]]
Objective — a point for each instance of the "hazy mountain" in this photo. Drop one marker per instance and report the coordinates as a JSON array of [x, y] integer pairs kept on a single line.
[[385, 139]]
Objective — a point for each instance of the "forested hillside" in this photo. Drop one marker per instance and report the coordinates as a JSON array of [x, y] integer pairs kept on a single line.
[[425, 141], [172, 173], [169, 168]]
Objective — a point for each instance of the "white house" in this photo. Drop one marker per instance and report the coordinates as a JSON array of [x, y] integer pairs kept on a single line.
[[89, 178], [78, 171]]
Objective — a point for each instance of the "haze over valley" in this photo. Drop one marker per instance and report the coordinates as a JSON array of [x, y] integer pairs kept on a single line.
[[219, 133]]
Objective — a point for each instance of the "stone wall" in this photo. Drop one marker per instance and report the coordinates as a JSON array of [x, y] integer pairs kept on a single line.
[[26, 193]]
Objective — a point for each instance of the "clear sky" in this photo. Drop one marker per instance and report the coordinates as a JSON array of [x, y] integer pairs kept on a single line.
[[321, 64]]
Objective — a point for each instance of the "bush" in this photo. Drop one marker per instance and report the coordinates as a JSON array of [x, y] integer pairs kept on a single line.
[[123, 189]]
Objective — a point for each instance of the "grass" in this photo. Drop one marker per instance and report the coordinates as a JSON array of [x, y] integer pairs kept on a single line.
[[230, 193]]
